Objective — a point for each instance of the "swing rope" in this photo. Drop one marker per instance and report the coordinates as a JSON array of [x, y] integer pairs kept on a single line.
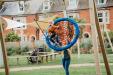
[[40, 28]]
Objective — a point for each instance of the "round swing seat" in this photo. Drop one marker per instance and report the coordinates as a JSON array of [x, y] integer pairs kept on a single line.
[[68, 45]]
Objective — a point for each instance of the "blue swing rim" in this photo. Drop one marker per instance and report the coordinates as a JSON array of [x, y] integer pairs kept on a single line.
[[77, 32]]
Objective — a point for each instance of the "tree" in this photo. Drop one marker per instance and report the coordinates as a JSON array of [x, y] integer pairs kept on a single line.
[[12, 37]]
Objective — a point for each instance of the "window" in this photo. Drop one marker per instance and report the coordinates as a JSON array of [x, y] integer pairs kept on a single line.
[[73, 4], [22, 20], [73, 15], [70, 16], [102, 1], [103, 16], [41, 17], [46, 5], [100, 15], [23, 38], [21, 6], [37, 33]]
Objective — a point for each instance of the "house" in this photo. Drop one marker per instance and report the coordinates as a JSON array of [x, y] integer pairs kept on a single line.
[[105, 10], [16, 10], [80, 9], [27, 11]]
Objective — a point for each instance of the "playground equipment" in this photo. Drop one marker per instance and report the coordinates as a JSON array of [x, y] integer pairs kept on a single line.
[[68, 45], [100, 40]]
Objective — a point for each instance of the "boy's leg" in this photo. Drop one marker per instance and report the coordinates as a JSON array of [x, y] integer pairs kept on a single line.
[[58, 41], [63, 63], [52, 38], [67, 63]]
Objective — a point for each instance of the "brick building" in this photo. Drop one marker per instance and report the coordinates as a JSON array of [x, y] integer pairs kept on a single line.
[[105, 10], [27, 11]]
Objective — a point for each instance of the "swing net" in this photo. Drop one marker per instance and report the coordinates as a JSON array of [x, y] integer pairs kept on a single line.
[[62, 34]]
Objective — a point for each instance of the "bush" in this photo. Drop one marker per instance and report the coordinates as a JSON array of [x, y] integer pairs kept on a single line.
[[12, 37], [25, 49], [10, 51], [14, 51], [18, 51], [109, 51], [86, 45]]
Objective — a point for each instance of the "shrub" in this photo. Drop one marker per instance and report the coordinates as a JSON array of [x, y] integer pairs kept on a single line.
[[12, 37], [86, 45], [25, 49], [109, 51], [14, 51], [10, 51], [18, 50]]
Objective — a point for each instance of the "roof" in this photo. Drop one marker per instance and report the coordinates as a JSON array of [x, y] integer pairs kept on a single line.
[[36, 6], [12, 8], [58, 5], [110, 3], [83, 4], [32, 7]]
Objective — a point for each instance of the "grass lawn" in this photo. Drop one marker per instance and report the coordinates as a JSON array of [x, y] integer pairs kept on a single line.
[[60, 71], [84, 58]]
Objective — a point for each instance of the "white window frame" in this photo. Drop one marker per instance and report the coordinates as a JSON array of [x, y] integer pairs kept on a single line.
[[73, 4], [22, 20], [23, 37], [41, 17], [102, 3], [21, 6], [46, 3], [106, 19]]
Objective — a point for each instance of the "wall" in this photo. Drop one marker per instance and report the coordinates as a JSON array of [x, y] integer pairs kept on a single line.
[[84, 14], [30, 31], [110, 26]]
